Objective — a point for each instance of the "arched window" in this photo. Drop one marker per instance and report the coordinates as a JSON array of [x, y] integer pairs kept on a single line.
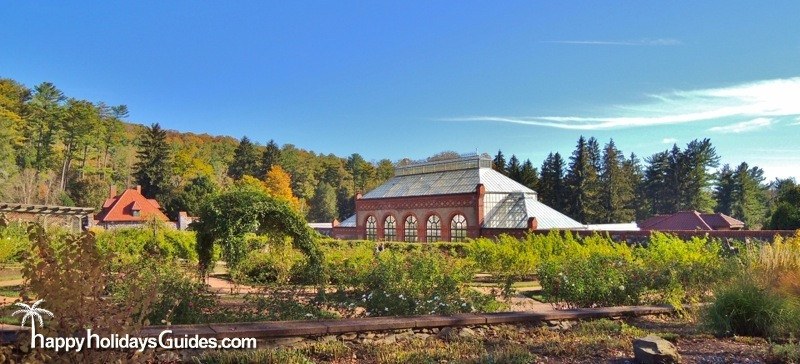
[[458, 228], [372, 228], [434, 229], [411, 229], [390, 228]]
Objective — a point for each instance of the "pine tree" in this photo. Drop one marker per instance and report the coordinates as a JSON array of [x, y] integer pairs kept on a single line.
[[245, 160], [514, 169], [499, 162], [749, 196], [529, 176], [153, 165], [617, 191], [270, 157], [634, 174], [44, 115], [323, 205], [723, 192], [552, 191], [582, 185]]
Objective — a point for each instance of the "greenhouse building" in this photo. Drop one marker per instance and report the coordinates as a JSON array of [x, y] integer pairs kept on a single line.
[[449, 200]]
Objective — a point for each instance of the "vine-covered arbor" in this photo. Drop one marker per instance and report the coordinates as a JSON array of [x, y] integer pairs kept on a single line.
[[226, 218]]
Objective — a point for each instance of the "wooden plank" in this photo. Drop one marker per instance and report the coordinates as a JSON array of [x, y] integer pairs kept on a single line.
[[179, 330], [369, 324], [263, 330]]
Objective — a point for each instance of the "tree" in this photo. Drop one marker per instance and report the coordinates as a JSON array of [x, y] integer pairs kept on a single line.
[[582, 185], [152, 168], [786, 214], [323, 205], [359, 169], [194, 194], [552, 191], [80, 122], [345, 202], [679, 180], [514, 169], [632, 169], [279, 185], [656, 184], [723, 192], [270, 157], [245, 160], [499, 162], [529, 176], [45, 112], [617, 188], [748, 196]]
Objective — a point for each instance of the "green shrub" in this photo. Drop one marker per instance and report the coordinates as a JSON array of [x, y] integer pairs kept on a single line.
[[788, 353], [418, 282], [131, 244], [749, 309], [594, 272], [678, 270], [275, 261], [507, 259], [348, 263], [13, 242]]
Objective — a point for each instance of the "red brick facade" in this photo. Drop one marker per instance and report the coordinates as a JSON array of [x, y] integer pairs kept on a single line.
[[446, 207]]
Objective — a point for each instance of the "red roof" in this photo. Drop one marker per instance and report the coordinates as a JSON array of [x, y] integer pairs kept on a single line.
[[691, 220], [120, 208]]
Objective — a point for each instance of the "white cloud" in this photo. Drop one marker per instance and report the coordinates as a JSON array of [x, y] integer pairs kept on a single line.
[[640, 42], [743, 126], [797, 122], [769, 99], [669, 141]]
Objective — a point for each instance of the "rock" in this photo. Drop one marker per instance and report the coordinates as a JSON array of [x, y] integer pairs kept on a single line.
[[655, 350], [466, 332], [422, 336], [444, 333], [349, 336], [287, 341], [328, 338], [389, 339]]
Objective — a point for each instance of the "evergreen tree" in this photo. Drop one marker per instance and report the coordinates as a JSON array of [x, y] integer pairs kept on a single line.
[[656, 184], [514, 169], [723, 192], [499, 162], [44, 115], [595, 158], [632, 168], [270, 157], [192, 196], [552, 191], [786, 213], [749, 196], [323, 205], [529, 176], [345, 202], [245, 160], [617, 189], [698, 158], [152, 168], [582, 185]]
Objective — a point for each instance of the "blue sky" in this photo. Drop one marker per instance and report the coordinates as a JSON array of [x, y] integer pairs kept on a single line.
[[409, 79]]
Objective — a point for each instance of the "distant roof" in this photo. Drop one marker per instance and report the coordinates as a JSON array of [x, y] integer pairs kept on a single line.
[[120, 208], [320, 225], [630, 226], [455, 176], [349, 222], [691, 220]]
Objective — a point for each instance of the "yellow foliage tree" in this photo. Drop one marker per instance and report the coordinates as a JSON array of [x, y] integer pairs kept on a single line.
[[279, 185]]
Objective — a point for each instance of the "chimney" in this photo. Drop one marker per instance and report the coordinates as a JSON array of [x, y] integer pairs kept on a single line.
[[112, 192], [139, 188], [533, 224]]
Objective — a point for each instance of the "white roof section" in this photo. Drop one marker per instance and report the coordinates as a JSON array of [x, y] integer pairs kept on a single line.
[[446, 183], [512, 211], [320, 225], [349, 222], [630, 226]]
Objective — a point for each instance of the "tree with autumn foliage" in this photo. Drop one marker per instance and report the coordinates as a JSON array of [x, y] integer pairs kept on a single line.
[[279, 185]]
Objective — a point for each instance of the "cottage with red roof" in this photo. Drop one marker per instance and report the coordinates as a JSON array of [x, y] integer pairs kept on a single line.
[[128, 209], [691, 220]]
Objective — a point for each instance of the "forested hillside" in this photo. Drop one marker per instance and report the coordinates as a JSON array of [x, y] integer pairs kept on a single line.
[[55, 149]]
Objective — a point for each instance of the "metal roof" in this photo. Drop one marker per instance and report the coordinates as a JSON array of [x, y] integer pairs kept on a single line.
[[349, 222], [514, 209], [446, 183]]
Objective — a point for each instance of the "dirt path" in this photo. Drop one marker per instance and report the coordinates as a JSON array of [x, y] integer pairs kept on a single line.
[[224, 286], [11, 282]]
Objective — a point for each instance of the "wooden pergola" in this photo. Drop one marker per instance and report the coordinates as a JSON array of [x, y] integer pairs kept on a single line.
[[74, 216]]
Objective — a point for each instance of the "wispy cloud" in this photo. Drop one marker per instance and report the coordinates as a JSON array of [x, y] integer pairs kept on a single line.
[[640, 42], [796, 122], [769, 99], [669, 141], [743, 126]]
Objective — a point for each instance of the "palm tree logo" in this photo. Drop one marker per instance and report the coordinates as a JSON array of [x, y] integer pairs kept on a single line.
[[33, 312]]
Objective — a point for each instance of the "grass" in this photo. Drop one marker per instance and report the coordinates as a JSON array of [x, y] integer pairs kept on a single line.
[[10, 272], [10, 291]]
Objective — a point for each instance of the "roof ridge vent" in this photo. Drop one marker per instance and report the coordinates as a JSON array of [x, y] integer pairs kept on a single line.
[[464, 161]]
